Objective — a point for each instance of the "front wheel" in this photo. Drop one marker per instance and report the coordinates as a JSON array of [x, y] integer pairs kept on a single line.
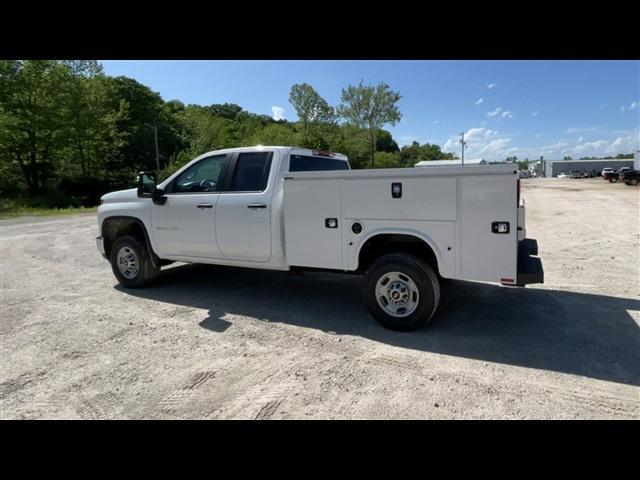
[[402, 291], [131, 263]]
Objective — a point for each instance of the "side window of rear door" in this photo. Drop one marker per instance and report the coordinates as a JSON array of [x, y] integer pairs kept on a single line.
[[251, 172]]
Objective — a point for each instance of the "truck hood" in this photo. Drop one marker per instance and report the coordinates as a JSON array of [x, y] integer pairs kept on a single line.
[[120, 196]]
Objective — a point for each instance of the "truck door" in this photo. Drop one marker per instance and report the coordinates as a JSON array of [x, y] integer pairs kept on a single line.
[[243, 212], [185, 224]]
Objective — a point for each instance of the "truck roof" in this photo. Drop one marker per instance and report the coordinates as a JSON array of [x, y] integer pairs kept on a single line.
[[288, 149]]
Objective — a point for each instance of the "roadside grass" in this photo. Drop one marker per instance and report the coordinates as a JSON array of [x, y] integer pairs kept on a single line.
[[20, 211]]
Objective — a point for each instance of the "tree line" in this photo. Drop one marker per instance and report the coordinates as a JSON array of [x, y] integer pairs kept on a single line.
[[69, 132]]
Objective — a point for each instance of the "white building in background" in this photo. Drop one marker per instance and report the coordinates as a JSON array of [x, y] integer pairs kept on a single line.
[[553, 168], [467, 161]]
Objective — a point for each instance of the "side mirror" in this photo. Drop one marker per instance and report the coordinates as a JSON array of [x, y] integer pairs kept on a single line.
[[146, 184], [147, 188]]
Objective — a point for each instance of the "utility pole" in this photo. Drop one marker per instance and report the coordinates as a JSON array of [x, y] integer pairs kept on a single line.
[[155, 139], [155, 131], [463, 143]]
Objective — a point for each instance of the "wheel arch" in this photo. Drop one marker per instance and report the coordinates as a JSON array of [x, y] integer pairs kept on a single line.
[[118, 225], [381, 242]]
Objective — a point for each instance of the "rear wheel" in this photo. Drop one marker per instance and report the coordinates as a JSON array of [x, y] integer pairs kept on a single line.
[[613, 180], [402, 291], [633, 181], [131, 263]]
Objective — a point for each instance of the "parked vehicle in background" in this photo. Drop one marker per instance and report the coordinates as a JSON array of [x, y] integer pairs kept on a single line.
[[622, 172], [606, 171], [612, 176], [587, 174], [563, 175], [524, 174], [288, 208], [632, 177], [575, 174]]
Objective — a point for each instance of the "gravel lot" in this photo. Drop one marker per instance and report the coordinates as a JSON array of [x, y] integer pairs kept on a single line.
[[213, 342]]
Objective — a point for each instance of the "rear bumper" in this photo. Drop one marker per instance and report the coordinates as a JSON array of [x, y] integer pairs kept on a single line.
[[529, 264]]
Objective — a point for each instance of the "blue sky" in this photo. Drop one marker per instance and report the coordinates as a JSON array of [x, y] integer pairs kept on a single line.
[[524, 108]]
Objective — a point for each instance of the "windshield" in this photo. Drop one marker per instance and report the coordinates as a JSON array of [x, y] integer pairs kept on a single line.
[[303, 163]]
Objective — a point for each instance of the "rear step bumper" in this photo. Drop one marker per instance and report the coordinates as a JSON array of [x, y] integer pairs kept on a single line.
[[529, 265]]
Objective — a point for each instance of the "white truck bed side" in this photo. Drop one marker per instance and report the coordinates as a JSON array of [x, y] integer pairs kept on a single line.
[[450, 208]]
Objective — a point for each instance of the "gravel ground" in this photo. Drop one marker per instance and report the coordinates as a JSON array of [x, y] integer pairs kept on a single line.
[[214, 342]]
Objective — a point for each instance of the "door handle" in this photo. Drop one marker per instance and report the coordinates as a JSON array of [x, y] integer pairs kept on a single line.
[[205, 205], [256, 205]]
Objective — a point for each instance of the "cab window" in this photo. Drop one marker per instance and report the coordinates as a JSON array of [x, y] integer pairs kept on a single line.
[[304, 163], [203, 176], [252, 172]]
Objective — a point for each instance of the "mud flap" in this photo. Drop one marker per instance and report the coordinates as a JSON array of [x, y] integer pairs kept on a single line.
[[529, 264]]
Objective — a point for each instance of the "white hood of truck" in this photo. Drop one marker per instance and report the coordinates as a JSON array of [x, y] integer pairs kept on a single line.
[[120, 196]]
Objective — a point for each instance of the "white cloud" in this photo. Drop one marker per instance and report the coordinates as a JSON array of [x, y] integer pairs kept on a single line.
[[598, 145], [491, 85], [580, 139], [581, 129], [621, 144], [507, 114], [278, 112], [535, 114], [495, 112], [479, 101], [481, 143], [436, 121], [631, 106]]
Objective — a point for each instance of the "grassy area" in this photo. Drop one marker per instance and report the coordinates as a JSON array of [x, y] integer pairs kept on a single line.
[[17, 211]]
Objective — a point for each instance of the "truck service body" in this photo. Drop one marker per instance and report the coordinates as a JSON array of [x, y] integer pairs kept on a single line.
[[285, 208]]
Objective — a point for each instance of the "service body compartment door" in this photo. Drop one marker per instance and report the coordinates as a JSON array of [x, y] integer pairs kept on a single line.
[[484, 254], [310, 209], [420, 199]]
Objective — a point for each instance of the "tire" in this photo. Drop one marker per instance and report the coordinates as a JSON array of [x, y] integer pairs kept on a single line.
[[389, 274], [137, 269], [633, 182], [614, 180]]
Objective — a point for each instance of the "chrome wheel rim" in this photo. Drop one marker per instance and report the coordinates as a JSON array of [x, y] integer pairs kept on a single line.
[[128, 262], [397, 294]]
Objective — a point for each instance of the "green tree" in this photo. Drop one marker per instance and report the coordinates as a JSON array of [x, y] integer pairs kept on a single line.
[[353, 142], [275, 134], [315, 114], [414, 153], [33, 109], [370, 108], [139, 109], [388, 160], [91, 126], [385, 142]]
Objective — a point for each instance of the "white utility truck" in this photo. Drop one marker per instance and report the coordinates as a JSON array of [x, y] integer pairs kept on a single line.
[[288, 208]]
